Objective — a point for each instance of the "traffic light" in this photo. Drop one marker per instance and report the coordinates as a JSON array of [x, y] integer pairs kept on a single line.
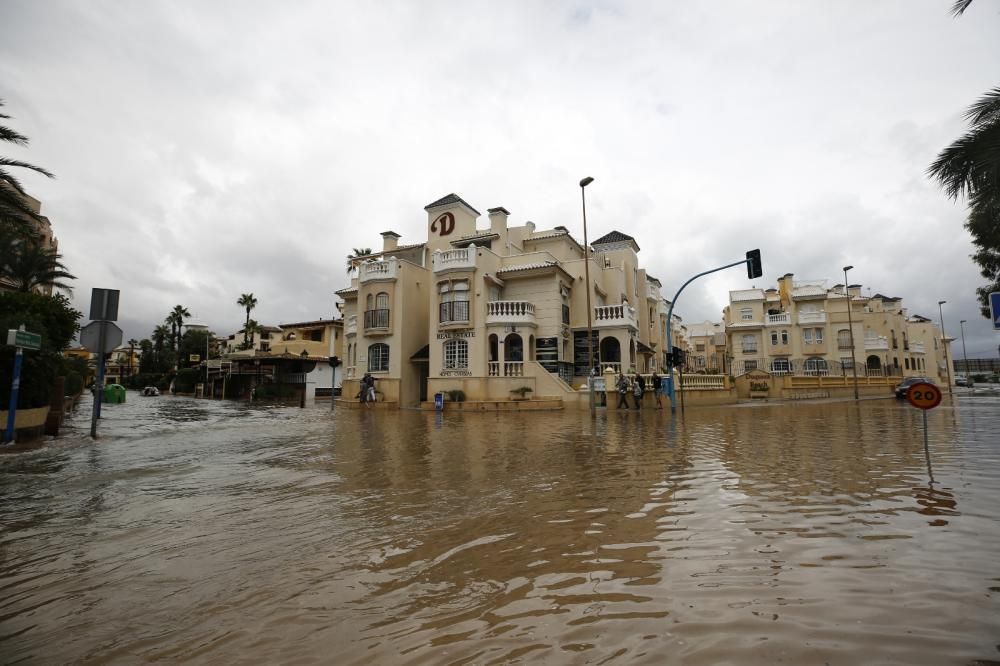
[[678, 357], [669, 360], [754, 269], [334, 361]]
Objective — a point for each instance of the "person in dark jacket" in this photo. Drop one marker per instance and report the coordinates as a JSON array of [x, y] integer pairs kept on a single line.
[[638, 388], [657, 389], [622, 386]]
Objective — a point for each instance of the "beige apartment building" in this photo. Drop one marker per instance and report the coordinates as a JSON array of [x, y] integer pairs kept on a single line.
[[46, 238], [496, 310], [804, 328], [706, 348]]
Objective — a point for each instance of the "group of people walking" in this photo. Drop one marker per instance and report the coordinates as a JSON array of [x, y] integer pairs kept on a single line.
[[636, 386]]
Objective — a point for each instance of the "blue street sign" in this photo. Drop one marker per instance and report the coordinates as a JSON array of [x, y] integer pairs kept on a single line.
[[995, 310]]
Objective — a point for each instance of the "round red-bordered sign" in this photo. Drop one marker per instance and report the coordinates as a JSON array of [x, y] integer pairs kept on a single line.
[[924, 395]]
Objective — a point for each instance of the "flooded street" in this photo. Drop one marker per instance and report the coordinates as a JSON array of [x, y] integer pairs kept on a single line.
[[212, 532]]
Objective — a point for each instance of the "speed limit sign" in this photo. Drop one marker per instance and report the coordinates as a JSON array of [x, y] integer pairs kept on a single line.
[[924, 395]]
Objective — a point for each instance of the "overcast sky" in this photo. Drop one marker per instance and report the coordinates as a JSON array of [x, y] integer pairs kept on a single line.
[[207, 149]]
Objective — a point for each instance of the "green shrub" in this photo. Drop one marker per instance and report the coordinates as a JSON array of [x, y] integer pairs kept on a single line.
[[186, 379], [456, 395]]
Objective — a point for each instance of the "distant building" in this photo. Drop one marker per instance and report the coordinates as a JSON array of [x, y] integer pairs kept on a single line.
[[802, 327], [494, 309]]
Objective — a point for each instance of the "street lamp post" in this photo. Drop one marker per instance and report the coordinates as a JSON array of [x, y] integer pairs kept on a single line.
[[850, 324], [965, 356], [944, 345], [590, 315]]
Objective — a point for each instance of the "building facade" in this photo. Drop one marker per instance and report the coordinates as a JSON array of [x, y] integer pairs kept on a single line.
[[496, 310], [805, 328]]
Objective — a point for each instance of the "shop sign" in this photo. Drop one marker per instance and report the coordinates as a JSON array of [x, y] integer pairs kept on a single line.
[[456, 334], [760, 381], [456, 373]]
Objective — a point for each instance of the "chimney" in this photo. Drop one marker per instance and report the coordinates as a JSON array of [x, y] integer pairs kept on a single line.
[[498, 219], [389, 241], [854, 289]]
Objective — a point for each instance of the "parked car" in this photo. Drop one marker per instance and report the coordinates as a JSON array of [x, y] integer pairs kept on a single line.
[[903, 387], [962, 380]]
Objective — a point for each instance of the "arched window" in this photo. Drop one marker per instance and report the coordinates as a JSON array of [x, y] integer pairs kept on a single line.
[[784, 337], [378, 357], [369, 302], [382, 301], [454, 301], [456, 354]]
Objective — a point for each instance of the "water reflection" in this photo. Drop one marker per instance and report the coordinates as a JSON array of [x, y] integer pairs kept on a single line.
[[212, 531]]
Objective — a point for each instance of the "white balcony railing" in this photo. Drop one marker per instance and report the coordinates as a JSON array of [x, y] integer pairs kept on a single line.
[[510, 312], [875, 344], [653, 292], [608, 316], [351, 325], [461, 258], [778, 319], [378, 270], [917, 347], [506, 369], [812, 317], [703, 382]]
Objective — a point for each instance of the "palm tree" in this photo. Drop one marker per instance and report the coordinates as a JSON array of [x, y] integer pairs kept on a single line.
[[160, 335], [31, 265], [14, 212], [358, 253], [249, 302], [970, 168], [131, 352], [176, 321], [251, 328]]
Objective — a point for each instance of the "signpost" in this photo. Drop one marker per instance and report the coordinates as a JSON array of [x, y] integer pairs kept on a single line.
[[925, 397], [101, 336], [22, 339]]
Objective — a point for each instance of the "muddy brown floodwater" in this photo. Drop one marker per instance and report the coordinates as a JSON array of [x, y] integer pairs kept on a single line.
[[203, 531]]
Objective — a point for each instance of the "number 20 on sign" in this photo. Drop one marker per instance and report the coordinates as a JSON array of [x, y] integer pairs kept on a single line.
[[924, 396]]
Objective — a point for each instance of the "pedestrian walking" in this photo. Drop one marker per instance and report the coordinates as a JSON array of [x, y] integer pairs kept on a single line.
[[371, 389], [657, 389], [638, 388], [363, 393], [622, 386]]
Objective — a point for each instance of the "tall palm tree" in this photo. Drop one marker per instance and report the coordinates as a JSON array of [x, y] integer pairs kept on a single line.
[[248, 302], [970, 168], [357, 253], [131, 352], [31, 265], [160, 336], [14, 212], [176, 320]]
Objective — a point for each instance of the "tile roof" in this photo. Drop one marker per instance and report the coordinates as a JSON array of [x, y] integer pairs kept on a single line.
[[450, 199], [318, 322], [613, 237], [528, 267]]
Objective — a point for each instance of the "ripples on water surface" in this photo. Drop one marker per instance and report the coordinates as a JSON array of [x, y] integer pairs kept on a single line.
[[204, 531]]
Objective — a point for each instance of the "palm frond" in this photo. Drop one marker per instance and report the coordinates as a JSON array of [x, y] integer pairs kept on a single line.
[[959, 7]]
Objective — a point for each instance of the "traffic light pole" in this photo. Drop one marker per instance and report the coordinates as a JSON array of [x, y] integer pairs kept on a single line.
[[671, 393]]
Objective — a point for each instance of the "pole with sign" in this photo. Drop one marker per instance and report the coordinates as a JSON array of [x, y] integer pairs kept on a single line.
[[925, 397], [101, 336], [21, 339]]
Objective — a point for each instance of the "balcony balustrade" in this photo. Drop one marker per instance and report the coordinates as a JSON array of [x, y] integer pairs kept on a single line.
[[613, 316], [876, 344], [459, 259], [510, 312], [812, 318], [779, 319], [378, 270], [506, 369]]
